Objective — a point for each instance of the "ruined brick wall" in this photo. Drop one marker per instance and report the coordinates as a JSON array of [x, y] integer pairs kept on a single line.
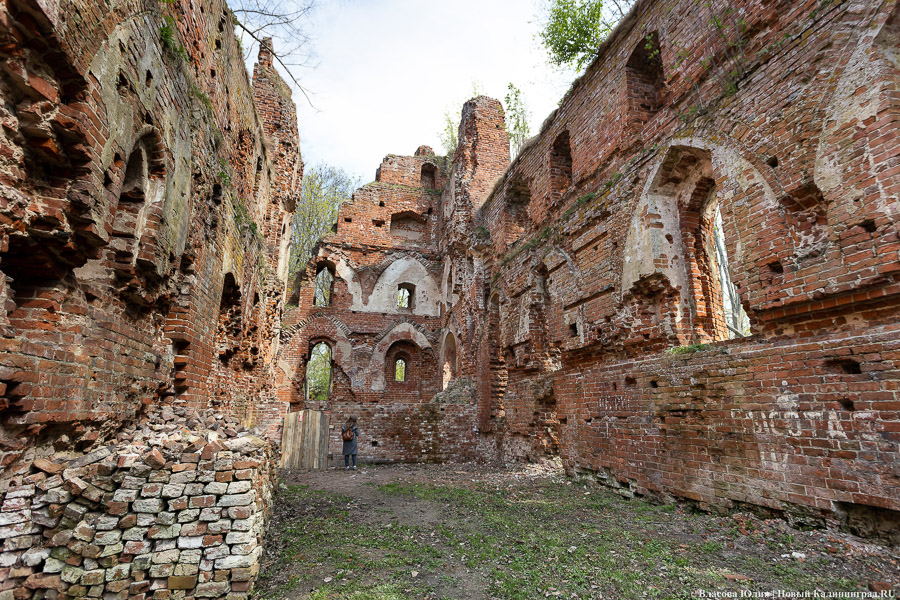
[[607, 333], [147, 187], [140, 187], [385, 238]]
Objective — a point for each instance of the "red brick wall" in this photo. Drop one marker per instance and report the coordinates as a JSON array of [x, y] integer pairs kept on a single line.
[[602, 303], [114, 301]]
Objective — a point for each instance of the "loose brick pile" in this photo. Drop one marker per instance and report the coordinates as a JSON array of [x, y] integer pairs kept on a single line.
[[175, 508]]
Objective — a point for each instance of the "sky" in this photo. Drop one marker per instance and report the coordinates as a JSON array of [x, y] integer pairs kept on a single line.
[[387, 71]]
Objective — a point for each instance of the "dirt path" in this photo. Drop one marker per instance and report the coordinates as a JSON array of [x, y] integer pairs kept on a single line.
[[468, 532]]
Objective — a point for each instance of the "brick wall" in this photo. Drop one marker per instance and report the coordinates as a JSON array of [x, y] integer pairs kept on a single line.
[[140, 167]]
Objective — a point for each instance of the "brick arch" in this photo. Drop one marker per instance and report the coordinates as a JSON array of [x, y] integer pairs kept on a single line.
[[292, 356], [748, 192], [403, 270], [400, 332]]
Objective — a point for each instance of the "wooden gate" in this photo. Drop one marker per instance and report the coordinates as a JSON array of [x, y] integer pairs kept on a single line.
[[304, 440]]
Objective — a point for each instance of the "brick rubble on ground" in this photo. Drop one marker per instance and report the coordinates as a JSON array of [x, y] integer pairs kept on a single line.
[[175, 508]]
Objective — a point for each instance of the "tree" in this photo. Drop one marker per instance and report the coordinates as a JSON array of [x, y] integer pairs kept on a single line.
[[286, 22], [449, 134], [318, 373], [324, 189], [573, 30], [516, 120]]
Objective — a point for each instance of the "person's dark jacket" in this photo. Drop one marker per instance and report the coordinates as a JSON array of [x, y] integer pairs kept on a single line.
[[350, 447]]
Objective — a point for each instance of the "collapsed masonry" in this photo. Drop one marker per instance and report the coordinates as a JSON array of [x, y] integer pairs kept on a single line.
[[146, 190], [686, 284]]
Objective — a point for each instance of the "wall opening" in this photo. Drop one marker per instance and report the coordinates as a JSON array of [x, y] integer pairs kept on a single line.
[[560, 166], [318, 373], [449, 367], [409, 226], [230, 328], [429, 176], [324, 285], [644, 81], [400, 370], [406, 296], [717, 311], [517, 220]]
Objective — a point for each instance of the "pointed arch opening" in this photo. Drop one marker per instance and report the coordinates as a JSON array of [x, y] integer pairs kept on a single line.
[[324, 286]]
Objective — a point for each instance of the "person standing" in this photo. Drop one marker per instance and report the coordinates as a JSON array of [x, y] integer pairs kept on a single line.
[[349, 435]]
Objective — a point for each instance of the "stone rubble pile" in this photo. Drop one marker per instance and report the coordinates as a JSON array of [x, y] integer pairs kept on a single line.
[[175, 508]]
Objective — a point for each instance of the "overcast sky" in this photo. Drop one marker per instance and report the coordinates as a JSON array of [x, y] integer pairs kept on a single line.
[[388, 70]]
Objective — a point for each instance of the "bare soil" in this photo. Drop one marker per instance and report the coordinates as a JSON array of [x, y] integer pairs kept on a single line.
[[473, 532]]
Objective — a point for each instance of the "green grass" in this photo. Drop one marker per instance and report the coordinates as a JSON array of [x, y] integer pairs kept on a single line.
[[520, 542]]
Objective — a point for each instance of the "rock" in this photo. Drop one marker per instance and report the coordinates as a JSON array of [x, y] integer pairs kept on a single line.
[[182, 583], [155, 459], [48, 466]]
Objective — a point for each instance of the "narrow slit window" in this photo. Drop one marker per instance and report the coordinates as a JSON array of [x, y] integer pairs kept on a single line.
[[400, 370], [406, 294]]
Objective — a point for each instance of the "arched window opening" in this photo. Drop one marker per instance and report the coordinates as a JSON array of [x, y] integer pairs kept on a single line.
[[318, 373], [400, 370], [406, 296], [449, 370], [560, 166], [429, 176], [324, 285], [644, 81], [131, 200], [718, 313]]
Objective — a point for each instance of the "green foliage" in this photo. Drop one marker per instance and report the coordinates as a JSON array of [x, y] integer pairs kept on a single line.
[[318, 373], [169, 39], [200, 95], [224, 173], [324, 189], [516, 120], [573, 30], [688, 349], [449, 133]]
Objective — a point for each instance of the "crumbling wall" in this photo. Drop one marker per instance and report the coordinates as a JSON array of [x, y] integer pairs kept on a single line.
[[176, 507], [607, 331], [387, 237], [139, 182], [147, 186]]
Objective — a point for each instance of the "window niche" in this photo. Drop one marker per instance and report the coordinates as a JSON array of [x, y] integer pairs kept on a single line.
[[406, 296], [230, 330], [517, 220], [560, 166], [409, 226], [644, 82], [691, 254], [428, 177], [324, 287], [318, 373]]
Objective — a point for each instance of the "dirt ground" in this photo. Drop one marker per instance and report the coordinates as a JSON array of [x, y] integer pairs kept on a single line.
[[472, 532]]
